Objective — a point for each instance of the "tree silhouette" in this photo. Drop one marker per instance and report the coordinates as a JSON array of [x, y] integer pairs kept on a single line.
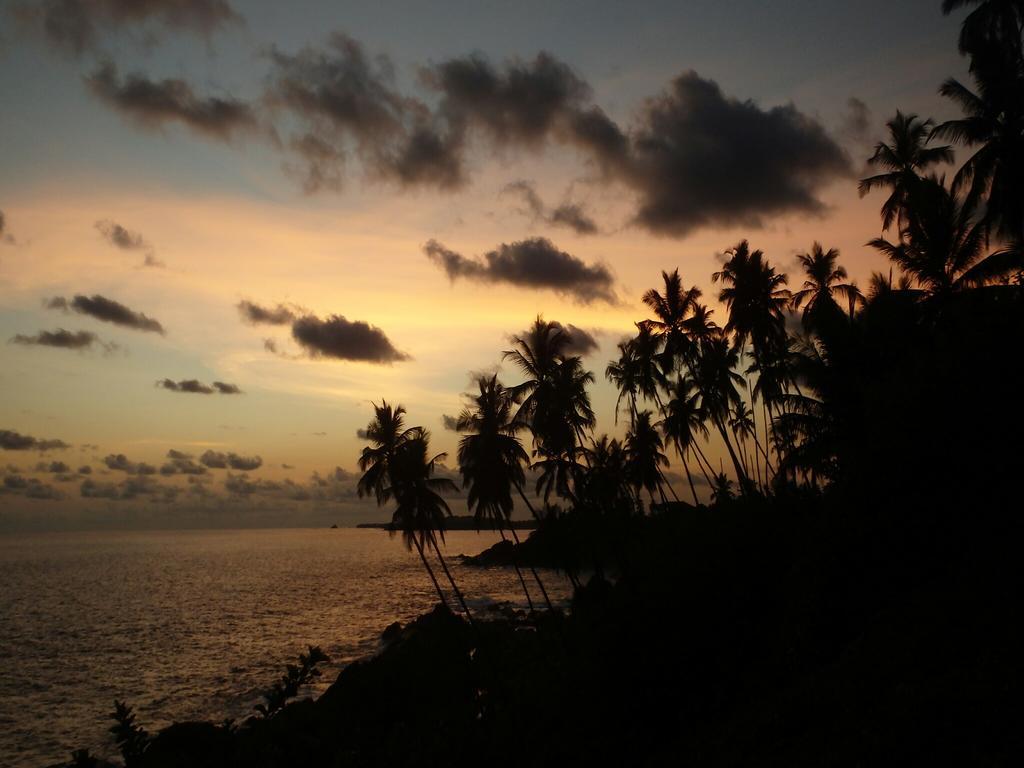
[[904, 159], [644, 457], [822, 285]]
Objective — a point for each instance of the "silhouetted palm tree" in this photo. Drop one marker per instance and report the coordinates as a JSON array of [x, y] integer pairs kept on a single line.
[[717, 382], [992, 22], [903, 161], [605, 485], [943, 242], [671, 310], [377, 462], [420, 510], [624, 373], [683, 421], [644, 457], [537, 354], [491, 461], [754, 295], [994, 123], [822, 285]]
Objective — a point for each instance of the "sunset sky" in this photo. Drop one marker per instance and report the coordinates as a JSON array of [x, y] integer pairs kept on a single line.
[[401, 187]]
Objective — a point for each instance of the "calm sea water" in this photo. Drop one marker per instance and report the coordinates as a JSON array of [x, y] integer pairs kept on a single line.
[[194, 624]]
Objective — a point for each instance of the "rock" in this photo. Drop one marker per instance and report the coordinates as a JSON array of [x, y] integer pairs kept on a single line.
[[391, 632]]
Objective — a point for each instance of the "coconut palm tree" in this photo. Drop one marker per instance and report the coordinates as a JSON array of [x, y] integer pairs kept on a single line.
[[491, 461], [644, 457], [903, 160], [624, 373], [671, 310], [717, 382], [683, 421], [605, 485], [753, 293], [420, 509], [996, 22], [993, 126], [536, 353], [388, 434], [943, 242], [822, 285]]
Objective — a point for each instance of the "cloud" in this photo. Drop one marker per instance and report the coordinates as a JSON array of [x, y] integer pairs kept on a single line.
[[54, 467], [699, 158], [5, 237], [581, 342], [29, 487], [856, 125], [196, 387], [63, 339], [121, 463], [451, 423], [120, 237], [570, 215], [693, 156], [153, 103], [13, 441], [107, 310], [75, 25], [346, 100], [532, 263], [181, 463], [129, 488], [362, 434], [217, 460], [345, 340], [254, 314]]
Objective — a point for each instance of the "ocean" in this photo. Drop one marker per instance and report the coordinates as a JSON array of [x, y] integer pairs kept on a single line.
[[195, 624]]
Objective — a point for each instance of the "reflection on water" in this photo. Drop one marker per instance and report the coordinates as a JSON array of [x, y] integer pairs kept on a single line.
[[193, 624]]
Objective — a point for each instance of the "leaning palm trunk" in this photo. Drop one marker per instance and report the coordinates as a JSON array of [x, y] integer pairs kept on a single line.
[[519, 573], [433, 578], [536, 516], [705, 466], [689, 477], [740, 475], [533, 570], [455, 587]]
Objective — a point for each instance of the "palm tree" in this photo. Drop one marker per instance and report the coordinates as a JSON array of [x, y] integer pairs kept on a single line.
[[992, 22], [754, 295], [742, 426], [605, 485], [624, 373], [388, 434], [670, 313], [683, 421], [537, 354], [644, 456], [420, 510], [943, 242], [904, 159], [491, 461], [993, 122], [717, 381], [822, 285]]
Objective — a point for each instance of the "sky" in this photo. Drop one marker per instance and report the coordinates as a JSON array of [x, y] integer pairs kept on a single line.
[[229, 226]]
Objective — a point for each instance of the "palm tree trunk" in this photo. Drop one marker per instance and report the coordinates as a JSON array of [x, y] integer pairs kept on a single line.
[[536, 577], [455, 587], [519, 573], [704, 464], [670, 488], [536, 516], [433, 578], [689, 477], [740, 476]]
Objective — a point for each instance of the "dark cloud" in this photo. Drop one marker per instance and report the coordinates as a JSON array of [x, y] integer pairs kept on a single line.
[[121, 463], [254, 314], [29, 487], [13, 441], [362, 434], [185, 385], [196, 387], [54, 467], [85, 469], [63, 339], [700, 158], [451, 423], [533, 263], [217, 460], [129, 488], [345, 340], [153, 103], [75, 25], [107, 310], [855, 126], [152, 261], [179, 462], [581, 342], [174, 455], [120, 237], [5, 236], [570, 215]]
